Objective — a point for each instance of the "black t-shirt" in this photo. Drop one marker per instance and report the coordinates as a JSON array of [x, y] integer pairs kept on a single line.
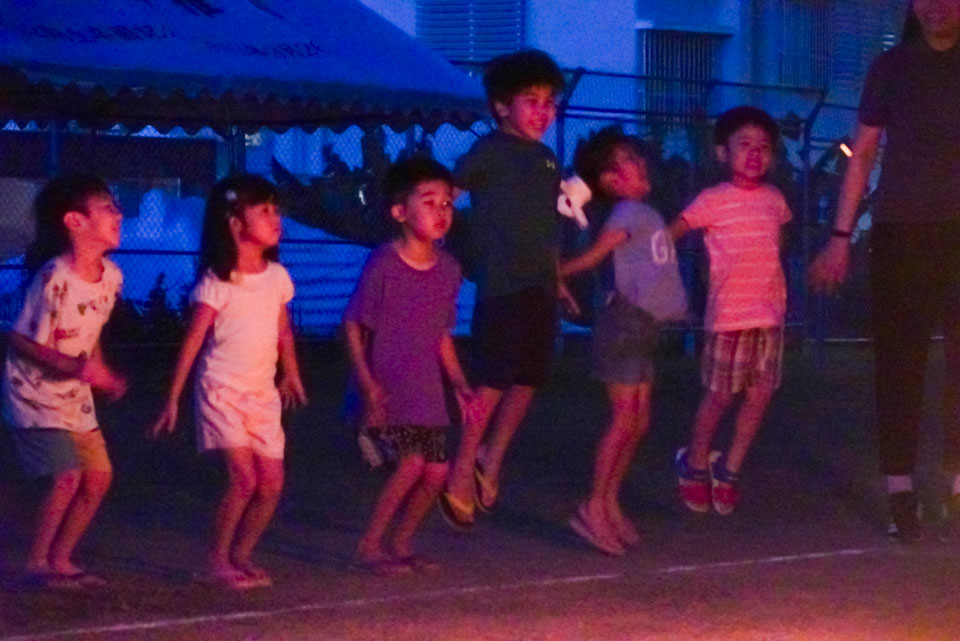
[[513, 184], [913, 92]]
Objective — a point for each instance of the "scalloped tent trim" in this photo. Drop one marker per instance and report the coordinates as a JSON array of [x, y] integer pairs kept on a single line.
[[203, 63]]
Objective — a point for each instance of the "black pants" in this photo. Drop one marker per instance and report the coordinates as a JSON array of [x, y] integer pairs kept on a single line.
[[915, 282]]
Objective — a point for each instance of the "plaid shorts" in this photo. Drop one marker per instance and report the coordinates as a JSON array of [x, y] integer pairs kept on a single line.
[[734, 361]]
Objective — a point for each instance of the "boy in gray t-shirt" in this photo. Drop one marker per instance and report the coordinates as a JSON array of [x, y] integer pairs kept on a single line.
[[647, 292]]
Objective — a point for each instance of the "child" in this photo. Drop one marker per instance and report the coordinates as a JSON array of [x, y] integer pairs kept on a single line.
[[240, 320], [54, 360], [397, 327], [647, 292], [514, 182], [746, 303]]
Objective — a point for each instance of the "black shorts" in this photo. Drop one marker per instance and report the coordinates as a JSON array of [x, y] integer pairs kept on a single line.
[[514, 337]]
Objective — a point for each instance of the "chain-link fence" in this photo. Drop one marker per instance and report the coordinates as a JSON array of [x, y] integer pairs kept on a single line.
[[329, 183]]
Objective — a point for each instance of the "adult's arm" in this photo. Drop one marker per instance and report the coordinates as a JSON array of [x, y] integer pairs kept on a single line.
[[831, 265]]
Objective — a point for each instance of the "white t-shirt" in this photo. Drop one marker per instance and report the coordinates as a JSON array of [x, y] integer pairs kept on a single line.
[[64, 312], [241, 352]]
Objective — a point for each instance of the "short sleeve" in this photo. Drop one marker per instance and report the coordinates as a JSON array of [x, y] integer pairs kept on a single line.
[[116, 280], [456, 278], [285, 285], [874, 100], [38, 317], [623, 216], [469, 171], [785, 214], [210, 291], [365, 303], [700, 212]]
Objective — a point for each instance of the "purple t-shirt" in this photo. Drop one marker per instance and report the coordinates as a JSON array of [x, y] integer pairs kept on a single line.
[[407, 312]]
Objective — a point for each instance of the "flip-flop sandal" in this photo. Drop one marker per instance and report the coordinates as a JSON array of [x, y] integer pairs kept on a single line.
[[84, 579], [484, 488], [258, 576], [457, 514], [225, 579], [30, 581], [417, 563], [579, 524], [381, 567]]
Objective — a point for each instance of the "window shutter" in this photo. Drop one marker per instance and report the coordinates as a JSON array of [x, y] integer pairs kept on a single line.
[[805, 54], [471, 30], [680, 62]]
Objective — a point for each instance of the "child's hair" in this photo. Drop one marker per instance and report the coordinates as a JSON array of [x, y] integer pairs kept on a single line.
[[731, 121], [66, 193], [595, 153], [507, 75], [402, 177], [227, 200]]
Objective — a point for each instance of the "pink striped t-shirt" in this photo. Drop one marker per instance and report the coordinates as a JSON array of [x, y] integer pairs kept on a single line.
[[742, 234]]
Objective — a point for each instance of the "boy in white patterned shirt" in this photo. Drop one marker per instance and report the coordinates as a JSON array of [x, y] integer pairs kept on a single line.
[[52, 363]]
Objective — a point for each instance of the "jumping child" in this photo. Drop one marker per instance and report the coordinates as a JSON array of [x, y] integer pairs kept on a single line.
[[746, 304], [397, 327], [54, 361], [514, 181], [646, 292], [240, 320]]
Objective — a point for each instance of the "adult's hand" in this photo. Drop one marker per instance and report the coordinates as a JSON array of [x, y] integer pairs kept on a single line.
[[831, 265]]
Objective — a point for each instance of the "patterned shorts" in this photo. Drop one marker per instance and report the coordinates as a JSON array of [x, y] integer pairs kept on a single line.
[[390, 444], [734, 361]]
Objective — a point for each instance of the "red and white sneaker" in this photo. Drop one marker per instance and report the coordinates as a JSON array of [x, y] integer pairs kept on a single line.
[[724, 485], [694, 484]]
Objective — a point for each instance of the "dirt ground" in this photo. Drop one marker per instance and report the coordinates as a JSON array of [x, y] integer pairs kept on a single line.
[[804, 558]]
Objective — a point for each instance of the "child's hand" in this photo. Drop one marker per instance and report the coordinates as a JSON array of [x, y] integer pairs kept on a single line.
[[167, 422], [375, 406], [95, 372], [117, 389], [567, 300], [291, 392], [469, 404]]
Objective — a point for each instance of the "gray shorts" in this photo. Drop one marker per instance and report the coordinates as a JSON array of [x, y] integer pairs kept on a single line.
[[624, 342], [53, 451]]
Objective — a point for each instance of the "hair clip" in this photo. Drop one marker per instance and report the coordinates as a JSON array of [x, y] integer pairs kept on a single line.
[[230, 196]]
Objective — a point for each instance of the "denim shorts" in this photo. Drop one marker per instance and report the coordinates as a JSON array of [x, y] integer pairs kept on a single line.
[[53, 451], [625, 340]]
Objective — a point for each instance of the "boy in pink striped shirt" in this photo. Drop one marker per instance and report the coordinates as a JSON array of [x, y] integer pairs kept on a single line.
[[746, 304]]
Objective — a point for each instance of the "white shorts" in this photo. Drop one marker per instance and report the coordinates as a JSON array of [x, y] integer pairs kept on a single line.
[[228, 418]]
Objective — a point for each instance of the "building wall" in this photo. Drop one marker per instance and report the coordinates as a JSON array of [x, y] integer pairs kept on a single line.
[[602, 35], [578, 35]]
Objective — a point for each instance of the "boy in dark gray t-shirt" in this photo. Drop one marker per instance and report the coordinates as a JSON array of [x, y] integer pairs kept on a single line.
[[647, 292], [514, 181]]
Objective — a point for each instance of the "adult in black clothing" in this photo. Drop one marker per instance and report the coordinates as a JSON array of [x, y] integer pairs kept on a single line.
[[912, 94]]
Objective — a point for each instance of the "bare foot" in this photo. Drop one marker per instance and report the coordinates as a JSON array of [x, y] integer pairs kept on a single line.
[[623, 527]]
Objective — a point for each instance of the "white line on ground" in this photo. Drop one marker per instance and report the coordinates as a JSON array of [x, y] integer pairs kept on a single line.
[[432, 594], [789, 558]]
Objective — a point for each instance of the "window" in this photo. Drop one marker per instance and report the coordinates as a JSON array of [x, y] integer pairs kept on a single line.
[[805, 38], [680, 65], [471, 30]]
